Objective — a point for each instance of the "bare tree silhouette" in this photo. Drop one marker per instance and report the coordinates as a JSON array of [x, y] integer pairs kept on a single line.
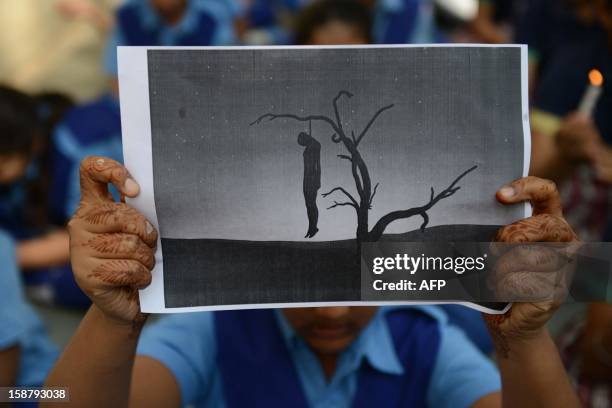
[[361, 175]]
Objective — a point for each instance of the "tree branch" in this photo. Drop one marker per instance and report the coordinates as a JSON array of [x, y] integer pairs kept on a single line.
[[335, 103], [346, 193], [372, 196], [358, 182], [337, 204], [379, 228], [272, 116], [425, 221], [371, 122]]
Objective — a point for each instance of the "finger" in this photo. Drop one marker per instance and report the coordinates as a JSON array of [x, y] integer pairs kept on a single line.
[[539, 228], [526, 286], [115, 217], [542, 194], [532, 258], [525, 280], [121, 272], [122, 246], [97, 172]]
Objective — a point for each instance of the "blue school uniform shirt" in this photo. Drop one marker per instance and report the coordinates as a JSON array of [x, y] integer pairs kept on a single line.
[[19, 324], [405, 22], [472, 324], [186, 345], [264, 15], [93, 128], [205, 22], [12, 198]]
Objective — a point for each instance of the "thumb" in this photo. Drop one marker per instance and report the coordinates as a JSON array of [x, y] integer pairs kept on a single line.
[[97, 172], [542, 194]]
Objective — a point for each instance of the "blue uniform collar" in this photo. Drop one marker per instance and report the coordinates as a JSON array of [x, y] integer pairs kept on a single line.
[[152, 20], [391, 6], [374, 344]]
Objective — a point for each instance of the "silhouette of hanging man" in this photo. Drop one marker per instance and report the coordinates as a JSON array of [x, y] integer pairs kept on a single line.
[[312, 179]]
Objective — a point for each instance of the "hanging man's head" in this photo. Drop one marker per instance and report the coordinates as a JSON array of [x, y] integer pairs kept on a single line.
[[304, 139]]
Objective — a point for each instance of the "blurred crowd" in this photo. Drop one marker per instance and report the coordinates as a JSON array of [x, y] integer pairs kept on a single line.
[[59, 103]]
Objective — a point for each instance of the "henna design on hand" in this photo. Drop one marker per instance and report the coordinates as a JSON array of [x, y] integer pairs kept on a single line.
[[111, 217], [527, 319], [121, 272], [539, 228], [102, 214], [96, 172], [107, 244], [117, 245], [113, 237]]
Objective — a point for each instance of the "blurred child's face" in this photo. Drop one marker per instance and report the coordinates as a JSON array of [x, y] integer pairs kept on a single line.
[[12, 168], [329, 330], [337, 33], [169, 8]]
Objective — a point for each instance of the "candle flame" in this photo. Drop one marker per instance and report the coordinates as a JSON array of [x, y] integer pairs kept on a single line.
[[595, 78]]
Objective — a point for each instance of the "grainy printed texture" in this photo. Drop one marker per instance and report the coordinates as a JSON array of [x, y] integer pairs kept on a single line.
[[218, 175], [268, 164]]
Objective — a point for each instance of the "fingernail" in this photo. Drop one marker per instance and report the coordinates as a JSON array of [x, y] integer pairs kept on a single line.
[[131, 187], [507, 191], [149, 228]]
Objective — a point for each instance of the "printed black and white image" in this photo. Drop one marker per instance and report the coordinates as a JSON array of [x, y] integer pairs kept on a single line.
[[270, 166]]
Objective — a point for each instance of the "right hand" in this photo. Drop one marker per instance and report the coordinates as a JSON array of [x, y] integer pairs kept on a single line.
[[112, 245]]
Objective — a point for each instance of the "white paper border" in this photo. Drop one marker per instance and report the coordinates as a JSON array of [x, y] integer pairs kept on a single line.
[[526, 125], [137, 154]]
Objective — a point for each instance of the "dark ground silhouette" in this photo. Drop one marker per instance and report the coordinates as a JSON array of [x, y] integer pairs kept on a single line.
[[201, 272]]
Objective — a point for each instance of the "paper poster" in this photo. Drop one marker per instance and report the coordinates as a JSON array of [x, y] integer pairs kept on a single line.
[[264, 169]]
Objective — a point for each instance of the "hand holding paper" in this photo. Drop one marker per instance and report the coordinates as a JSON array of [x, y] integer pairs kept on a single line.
[[525, 321], [112, 244]]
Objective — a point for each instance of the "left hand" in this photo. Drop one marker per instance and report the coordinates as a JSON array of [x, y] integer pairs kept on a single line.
[[527, 320]]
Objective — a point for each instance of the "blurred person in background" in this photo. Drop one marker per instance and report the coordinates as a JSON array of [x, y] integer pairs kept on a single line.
[[172, 22], [567, 39], [39, 183], [405, 22], [268, 22], [322, 356], [334, 22], [341, 22], [586, 350], [55, 45], [88, 11], [26, 353], [495, 22]]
